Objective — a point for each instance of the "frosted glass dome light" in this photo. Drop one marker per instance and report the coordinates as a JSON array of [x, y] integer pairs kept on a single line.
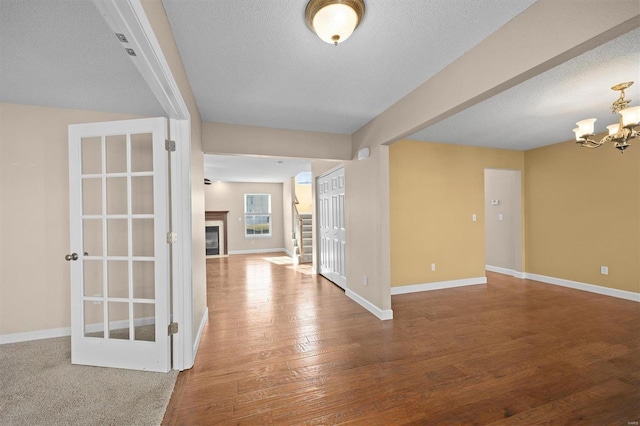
[[334, 20]]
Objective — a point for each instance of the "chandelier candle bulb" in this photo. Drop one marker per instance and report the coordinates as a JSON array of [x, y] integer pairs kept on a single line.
[[587, 126], [630, 116], [577, 132]]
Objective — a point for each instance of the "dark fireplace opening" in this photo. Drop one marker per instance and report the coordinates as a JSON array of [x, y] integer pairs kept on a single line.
[[212, 240]]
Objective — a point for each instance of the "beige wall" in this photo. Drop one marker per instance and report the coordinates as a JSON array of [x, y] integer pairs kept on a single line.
[[34, 215], [435, 189], [219, 138], [230, 196], [583, 212], [287, 214], [368, 233]]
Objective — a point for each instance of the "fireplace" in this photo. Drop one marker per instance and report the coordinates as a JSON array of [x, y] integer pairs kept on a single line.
[[215, 223], [212, 240]]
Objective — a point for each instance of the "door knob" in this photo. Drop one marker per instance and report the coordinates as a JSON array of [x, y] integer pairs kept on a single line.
[[70, 257]]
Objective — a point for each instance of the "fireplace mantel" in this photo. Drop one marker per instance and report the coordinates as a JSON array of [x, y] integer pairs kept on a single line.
[[219, 215]]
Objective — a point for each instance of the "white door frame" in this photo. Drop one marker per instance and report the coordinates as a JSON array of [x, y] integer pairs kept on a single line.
[[128, 17]]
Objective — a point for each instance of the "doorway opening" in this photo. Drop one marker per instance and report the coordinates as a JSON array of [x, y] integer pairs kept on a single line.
[[503, 221]]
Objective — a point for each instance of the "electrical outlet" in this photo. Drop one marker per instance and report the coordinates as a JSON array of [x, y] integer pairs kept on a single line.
[[433, 266], [604, 270], [474, 217], [365, 280]]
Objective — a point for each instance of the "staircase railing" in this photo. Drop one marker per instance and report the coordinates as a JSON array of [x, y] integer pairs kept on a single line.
[[297, 230]]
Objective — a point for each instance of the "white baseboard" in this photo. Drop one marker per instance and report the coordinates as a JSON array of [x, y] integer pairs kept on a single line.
[[196, 343], [35, 335], [289, 253], [66, 331], [385, 314], [606, 291], [415, 288], [257, 251], [504, 271]]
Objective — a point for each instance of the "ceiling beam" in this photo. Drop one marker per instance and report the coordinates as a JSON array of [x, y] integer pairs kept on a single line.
[[545, 35]]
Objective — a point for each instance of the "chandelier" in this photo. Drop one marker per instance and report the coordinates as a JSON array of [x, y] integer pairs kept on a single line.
[[619, 133], [334, 20]]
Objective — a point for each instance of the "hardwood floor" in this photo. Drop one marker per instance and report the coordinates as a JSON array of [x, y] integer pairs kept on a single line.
[[287, 347]]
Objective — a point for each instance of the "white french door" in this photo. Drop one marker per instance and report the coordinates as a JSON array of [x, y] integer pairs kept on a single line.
[[118, 182], [331, 224]]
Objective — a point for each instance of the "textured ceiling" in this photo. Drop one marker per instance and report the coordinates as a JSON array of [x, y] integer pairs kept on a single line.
[[229, 168], [256, 62], [63, 54], [544, 109]]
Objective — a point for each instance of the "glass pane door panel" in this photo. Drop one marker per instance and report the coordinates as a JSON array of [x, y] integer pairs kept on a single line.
[[92, 279], [116, 150], [142, 194], [117, 237], [144, 321], [141, 153], [92, 237], [92, 196], [119, 320], [93, 319], [142, 230], [91, 155], [143, 280], [117, 195], [118, 273]]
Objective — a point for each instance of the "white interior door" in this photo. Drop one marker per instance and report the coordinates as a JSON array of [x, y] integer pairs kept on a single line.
[[119, 266], [331, 223]]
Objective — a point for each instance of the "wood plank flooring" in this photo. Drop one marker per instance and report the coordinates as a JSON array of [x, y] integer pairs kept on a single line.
[[283, 346]]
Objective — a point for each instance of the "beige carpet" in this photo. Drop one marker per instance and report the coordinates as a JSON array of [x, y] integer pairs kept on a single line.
[[39, 386]]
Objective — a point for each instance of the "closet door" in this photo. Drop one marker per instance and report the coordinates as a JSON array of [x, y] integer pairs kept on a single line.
[[331, 226]]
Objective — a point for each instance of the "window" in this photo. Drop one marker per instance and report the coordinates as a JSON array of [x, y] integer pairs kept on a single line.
[[303, 178], [257, 215]]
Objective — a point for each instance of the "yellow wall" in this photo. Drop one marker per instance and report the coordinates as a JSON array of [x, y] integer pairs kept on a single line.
[[434, 191], [583, 211], [303, 193]]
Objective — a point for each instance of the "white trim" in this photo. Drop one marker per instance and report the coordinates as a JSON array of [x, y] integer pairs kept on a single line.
[[66, 331], [415, 288], [35, 335], [203, 322], [181, 211], [383, 314], [257, 251], [128, 17], [289, 254], [591, 288], [504, 271]]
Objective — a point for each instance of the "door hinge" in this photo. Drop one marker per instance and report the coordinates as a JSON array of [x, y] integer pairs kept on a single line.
[[172, 237], [170, 145], [173, 328]]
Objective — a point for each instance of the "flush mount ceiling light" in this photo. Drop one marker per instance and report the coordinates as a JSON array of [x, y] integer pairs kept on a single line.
[[334, 20], [619, 133]]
